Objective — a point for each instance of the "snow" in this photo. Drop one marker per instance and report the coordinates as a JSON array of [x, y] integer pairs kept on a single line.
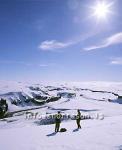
[[94, 135], [20, 133]]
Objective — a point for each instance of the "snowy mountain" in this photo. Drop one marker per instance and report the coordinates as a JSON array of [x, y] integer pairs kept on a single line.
[[20, 95]]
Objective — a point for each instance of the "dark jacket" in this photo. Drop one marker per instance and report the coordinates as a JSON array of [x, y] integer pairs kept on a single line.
[[78, 117], [58, 118]]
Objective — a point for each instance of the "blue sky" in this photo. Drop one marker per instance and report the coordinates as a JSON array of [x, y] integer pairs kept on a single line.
[[60, 40]]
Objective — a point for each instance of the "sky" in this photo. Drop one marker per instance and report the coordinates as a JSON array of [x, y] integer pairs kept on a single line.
[[61, 40]]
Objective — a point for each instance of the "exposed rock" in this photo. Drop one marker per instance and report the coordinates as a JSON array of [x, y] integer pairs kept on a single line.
[[52, 99], [66, 94], [3, 108], [37, 101]]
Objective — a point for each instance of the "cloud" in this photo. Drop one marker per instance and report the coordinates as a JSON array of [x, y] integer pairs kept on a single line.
[[112, 40], [25, 63], [47, 65], [116, 61], [53, 44], [43, 65], [15, 62]]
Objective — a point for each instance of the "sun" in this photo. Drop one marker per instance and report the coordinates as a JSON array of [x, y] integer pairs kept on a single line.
[[101, 10]]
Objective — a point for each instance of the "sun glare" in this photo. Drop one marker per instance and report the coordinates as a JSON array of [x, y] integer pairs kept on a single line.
[[101, 10]]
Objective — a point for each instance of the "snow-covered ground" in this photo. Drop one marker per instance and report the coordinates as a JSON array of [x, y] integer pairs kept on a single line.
[[102, 132]]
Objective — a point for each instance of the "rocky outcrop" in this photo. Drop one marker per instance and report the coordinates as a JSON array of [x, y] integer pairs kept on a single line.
[[3, 108], [66, 94]]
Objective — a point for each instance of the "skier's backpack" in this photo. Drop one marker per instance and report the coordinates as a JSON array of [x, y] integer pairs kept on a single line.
[[63, 130]]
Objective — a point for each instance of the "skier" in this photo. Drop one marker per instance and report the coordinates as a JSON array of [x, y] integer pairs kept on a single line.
[[57, 121], [78, 118]]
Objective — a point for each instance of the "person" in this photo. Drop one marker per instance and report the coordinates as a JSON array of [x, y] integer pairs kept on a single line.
[[57, 121], [78, 119]]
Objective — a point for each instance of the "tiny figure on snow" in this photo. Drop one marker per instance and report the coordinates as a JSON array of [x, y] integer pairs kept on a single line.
[[78, 119], [57, 121]]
